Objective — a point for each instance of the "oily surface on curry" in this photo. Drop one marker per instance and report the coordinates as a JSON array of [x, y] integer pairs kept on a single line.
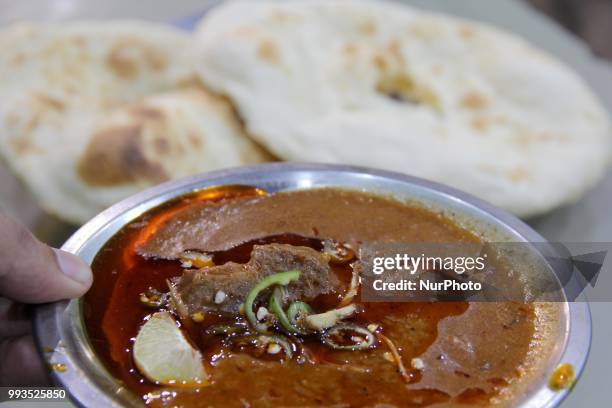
[[199, 258]]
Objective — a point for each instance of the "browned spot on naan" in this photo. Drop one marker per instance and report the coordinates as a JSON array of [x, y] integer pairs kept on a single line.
[[380, 62], [144, 112], [39, 109], [18, 59], [268, 52], [115, 156], [49, 102], [474, 101], [466, 32], [23, 146], [350, 49], [127, 55], [195, 140], [401, 87], [480, 124], [367, 27], [395, 49], [518, 175], [390, 57]]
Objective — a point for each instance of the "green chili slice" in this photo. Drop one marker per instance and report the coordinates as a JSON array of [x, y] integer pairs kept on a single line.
[[286, 345], [276, 307], [297, 309], [282, 278]]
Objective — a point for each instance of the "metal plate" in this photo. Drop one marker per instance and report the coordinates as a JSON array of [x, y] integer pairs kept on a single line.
[[88, 382]]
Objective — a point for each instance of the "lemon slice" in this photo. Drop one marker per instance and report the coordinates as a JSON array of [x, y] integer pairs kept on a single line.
[[163, 354]]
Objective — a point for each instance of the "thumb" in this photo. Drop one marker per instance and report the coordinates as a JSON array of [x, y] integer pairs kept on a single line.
[[32, 272]]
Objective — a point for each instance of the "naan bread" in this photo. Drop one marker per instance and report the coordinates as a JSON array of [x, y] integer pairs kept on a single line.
[[93, 112], [385, 85], [163, 137]]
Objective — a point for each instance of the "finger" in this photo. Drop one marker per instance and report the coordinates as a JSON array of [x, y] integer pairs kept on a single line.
[[15, 319], [32, 272], [21, 364]]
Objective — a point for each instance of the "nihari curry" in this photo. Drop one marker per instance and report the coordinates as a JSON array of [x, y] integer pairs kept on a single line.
[[235, 297]]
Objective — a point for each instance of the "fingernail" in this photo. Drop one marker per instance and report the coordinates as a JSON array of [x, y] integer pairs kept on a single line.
[[73, 267]]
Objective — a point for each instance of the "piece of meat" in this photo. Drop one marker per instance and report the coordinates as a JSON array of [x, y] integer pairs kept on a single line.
[[196, 290], [316, 277]]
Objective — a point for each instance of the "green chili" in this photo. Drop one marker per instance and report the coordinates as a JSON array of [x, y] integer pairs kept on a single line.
[[276, 306], [297, 309], [287, 346], [283, 278]]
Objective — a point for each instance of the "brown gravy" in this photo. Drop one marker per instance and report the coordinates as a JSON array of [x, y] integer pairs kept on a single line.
[[471, 353]]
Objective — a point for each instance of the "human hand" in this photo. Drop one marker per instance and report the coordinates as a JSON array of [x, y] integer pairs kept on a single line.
[[30, 273]]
